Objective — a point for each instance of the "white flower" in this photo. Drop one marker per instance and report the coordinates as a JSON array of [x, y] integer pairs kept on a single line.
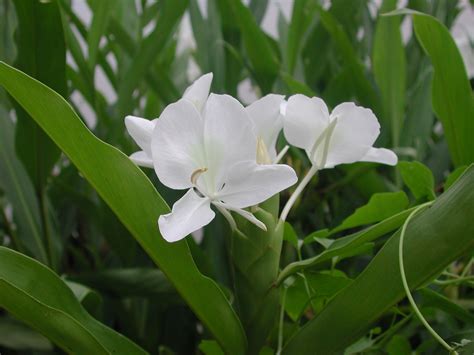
[[213, 154], [141, 129], [344, 136], [268, 122]]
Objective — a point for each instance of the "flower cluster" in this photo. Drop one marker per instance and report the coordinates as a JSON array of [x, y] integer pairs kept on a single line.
[[224, 154]]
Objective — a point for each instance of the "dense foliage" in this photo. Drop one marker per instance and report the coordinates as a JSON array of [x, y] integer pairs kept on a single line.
[[83, 267]]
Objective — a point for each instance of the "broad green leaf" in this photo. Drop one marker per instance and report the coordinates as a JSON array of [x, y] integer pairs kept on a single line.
[[389, 69], [37, 296], [101, 16], [447, 225], [380, 206], [17, 336], [265, 65], [41, 54], [148, 50], [418, 178], [452, 97], [258, 8], [132, 197], [19, 191]]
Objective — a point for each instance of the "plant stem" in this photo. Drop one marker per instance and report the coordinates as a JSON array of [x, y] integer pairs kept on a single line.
[[407, 288], [280, 324], [309, 175]]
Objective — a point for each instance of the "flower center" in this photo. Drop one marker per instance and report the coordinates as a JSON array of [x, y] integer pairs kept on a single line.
[[263, 157]]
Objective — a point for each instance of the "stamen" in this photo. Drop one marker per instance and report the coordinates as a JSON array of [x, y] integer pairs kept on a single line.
[[196, 174], [262, 153]]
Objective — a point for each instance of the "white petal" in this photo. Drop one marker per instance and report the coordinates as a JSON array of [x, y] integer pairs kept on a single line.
[[381, 155], [141, 131], [268, 122], [228, 135], [189, 213], [249, 183], [177, 144], [198, 92], [305, 120], [142, 159], [355, 132]]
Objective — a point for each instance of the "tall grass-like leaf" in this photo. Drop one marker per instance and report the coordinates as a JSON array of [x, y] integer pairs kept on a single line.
[[148, 51], [264, 61], [452, 97], [390, 70], [102, 11], [19, 191], [41, 54], [433, 240], [133, 199], [362, 87], [37, 296]]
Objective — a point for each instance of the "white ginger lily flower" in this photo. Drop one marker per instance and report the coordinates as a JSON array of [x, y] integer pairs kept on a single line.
[[345, 136], [268, 122], [213, 154], [141, 129]]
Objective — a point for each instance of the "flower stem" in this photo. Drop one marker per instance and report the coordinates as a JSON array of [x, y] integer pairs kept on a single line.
[[280, 324], [407, 288], [309, 175], [227, 215]]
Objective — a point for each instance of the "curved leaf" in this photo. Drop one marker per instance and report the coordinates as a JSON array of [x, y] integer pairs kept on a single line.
[[447, 225], [33, 293], [133, 199]]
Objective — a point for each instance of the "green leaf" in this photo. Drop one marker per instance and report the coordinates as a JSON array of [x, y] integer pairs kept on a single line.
[[361, 86], [389, 65], [133, 199], [345, 245], [447, 224], [210, 347], [148, 50], [90, 299], [264, 62], [318, 288], [399, 345], [15, 335], [19, 191], [37, 296], [135, 282], [432, 298], [452, 178], [101, 16], [452, 97], [380, 206], [255, 256], [41, 54], [418, 178], [302, 15]]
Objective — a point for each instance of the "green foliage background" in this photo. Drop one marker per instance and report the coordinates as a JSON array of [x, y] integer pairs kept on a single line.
[[83, 268]]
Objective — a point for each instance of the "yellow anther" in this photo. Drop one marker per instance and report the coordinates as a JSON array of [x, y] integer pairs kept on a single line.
[[262, 152], [196, 174]]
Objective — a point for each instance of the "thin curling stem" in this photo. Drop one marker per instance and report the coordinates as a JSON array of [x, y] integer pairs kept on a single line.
[[309, 175], [407, 288]]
